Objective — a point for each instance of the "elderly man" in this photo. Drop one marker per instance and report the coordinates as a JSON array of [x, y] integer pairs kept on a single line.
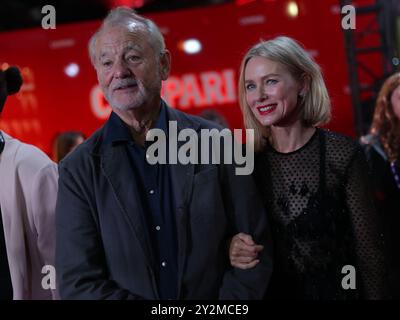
[[130, 230], [28, 192]]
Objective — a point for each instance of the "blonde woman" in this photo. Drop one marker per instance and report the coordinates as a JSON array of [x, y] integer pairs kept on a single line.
[[313, 182]]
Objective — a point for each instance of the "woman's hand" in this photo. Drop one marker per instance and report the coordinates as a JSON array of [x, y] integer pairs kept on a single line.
[[243, 251]]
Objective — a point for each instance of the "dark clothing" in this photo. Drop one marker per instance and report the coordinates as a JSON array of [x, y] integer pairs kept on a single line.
[[102, 248], [387, 201], [322, 219], [156, 201], [6, 291]]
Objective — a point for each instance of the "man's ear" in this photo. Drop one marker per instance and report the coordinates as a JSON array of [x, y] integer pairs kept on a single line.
[[165, 64]]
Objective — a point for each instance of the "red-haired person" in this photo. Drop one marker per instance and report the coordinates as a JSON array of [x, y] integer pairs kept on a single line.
[[382, 146]]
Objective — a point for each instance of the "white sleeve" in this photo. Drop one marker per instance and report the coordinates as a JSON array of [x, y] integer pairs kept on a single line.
[[43, 199]]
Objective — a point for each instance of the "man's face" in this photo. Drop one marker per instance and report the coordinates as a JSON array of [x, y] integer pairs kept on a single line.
[[129, 71], [3, 90]]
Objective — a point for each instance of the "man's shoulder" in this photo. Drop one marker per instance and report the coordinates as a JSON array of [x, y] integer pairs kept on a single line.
[[85, 151]]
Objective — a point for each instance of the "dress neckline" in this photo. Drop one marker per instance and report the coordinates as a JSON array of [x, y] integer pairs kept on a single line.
[[269, 147]]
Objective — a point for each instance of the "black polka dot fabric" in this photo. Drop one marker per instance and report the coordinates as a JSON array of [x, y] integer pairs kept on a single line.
[[322, 217]]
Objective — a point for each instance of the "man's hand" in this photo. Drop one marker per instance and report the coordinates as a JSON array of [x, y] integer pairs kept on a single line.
[[243, 251]]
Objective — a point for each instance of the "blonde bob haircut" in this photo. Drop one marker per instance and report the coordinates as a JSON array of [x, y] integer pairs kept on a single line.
[[315, 104]]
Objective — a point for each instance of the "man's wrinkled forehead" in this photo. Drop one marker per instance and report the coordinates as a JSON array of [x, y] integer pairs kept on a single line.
[[118, 39]]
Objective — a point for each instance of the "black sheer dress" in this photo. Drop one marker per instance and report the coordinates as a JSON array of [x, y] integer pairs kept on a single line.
[[387, 202], [322, 219]]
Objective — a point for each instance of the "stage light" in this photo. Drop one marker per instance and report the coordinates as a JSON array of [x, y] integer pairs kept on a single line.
[[192, 46], [71, 70], [292, 9]]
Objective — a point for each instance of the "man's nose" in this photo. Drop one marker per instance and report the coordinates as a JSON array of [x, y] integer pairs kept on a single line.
[[121, 70]]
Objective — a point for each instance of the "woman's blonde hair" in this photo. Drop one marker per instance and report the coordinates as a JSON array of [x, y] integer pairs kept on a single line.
[[385, 123], [316, 106]]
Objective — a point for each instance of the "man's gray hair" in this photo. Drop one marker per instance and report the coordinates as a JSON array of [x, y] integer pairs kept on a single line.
[[126, 17]]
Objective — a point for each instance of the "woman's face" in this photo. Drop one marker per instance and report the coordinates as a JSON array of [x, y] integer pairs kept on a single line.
[[395, 101], [271, 92]]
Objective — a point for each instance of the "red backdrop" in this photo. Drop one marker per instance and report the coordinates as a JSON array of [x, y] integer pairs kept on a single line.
[[51, 101]]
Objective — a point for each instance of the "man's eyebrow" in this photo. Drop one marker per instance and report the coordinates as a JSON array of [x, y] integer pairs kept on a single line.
[[130, 47], [126, 48]]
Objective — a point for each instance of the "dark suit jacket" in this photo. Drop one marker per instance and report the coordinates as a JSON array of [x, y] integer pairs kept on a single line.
[[102, 252]]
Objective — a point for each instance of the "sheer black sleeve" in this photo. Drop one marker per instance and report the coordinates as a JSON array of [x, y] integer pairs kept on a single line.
[[366, 227]]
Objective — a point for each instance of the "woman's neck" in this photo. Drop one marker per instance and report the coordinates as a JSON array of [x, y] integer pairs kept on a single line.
[[290, 138]]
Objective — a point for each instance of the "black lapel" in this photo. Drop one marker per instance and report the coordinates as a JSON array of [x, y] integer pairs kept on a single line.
[[116, 168], [182, 175], [182, 184]]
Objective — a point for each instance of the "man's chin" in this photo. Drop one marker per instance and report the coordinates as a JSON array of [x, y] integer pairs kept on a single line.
[[125, 107]]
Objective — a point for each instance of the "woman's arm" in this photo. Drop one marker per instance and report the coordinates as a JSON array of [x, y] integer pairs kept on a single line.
[[366, 227]]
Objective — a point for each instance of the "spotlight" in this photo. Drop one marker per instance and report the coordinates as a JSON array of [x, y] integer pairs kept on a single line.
[[292, 9], [71, 70], [191, 46]]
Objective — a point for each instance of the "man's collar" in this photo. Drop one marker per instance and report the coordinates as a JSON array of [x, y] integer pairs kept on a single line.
[[162, 120], [118, 131]]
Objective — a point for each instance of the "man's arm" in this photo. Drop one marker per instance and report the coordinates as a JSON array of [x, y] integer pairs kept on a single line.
[[80, 261], [247, 215]]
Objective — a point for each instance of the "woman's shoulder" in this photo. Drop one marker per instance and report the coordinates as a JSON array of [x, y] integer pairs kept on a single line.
[[341, 148], [335, 140]]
